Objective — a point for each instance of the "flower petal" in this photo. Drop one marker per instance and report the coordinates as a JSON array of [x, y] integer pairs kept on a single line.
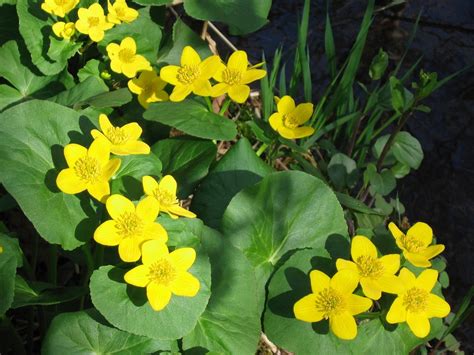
[[362, 247], [73, 152], [202, 87], [276, 121], [286, 105], [345, 281], [185, 285], [238, 61], [104, 123], [148, 209], [301, 132], [112, 49], [370, 288], [129, 250], [133, 130], [138, 276], [419, 324], [106, 234], [396, 232], [96, 34], [69, 183], [131, 147], [149, 185], [303, 112], [407, 277], [305, 310], [239, 93], [252, 75], [427, 279], [190, 57], [342, 264], [432, 251], [219, 89], [153, 250], [169, 74], [343, 325], [110, 168], [134, 85], [96, 134], [169, 184], [180, 211], [100, 149], [358, 304], [180, 92], [209, 66], [391, 263], [397, 312], [422, 232], [417, 259], [183, 258], [319, 281], [129, 43], [437, 307], [158, 295], [100, 190], [118, 204], [390, 284], [155, 231]]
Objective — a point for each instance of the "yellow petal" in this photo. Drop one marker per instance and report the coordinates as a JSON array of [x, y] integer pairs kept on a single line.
[[397, 312], [104, 123], [73, 152], [116, 65], [391, 263], [100, 149], [169, 74], [417, 259], [209, 66], [238, 61], [303, 112], [96, 134], [58, 27], [82, 26], [342, 264], [180, 211], [129, 43], [396, 232], [138, 276], [390, 284], [183, 258], [432, 251], [68, 182], [110, 169], [220, 70], [185, 285], [112, 49], [129, 249], [286, 105], [301, 132], [131, 147], [357, 304], [155, 231], [100, 190], [371, 288], [252, 75], [190, 57], [219, 89], [419, 324], [106, 234], [153, 250], [149, 185], [202, 87], [180, 92], [427, 279], [422, 232], [305, 309], [437, 307], [158, 295], [133, 130], [148, 209], [239, 93], [96, 34], [343, 325], [345, 281], [168, 184], [362, 246], [117, 205], [407, 278], [134, 86], [319, 281], [276, 121], [130, 69]]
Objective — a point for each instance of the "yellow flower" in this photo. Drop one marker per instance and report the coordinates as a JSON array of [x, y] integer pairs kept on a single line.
[[130, 226], [123, 58], [416, 243], [149, 88], [332, 299], [58, 7], [92, 22], [164, 273], [234, 77], [123, 140], [89, 169], [416, 304], [119, 12], [192, 76], [288, 119], [64, 30], [374, 274], [165, 193]]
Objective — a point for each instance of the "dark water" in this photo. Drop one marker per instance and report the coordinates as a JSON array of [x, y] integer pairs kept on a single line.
[[441, 192]]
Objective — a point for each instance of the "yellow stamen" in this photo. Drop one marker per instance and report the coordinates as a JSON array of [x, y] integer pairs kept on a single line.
[[187, 74], [117, 135], [126, 55], [162, 272], [416, 299], [231, 76], [166, 198], [93, 21], [129, 224], [411, 244], [290, 121], [88, 169], [369, 266], [329, 301]]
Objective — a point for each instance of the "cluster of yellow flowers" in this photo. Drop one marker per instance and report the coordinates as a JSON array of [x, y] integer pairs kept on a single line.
[[333, 298], [132, 228]]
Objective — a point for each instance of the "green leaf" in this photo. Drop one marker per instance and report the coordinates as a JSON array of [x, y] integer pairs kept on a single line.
[[407, 150], [354, 204], [231, 12], [48, 53], [31, 156], [239, 168], [108, 290], [114, 98], [382, 183], [153, 2], [400, 170], [74, 97], [186, 159], [10, 259], [192, 118], [379, 65], [86, 332], [92, 68], [378, 148], [385, 207], [342, 170], [8, 96]]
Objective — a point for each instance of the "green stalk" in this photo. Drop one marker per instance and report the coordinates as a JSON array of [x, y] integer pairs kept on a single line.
[[262, 148], [225, 106], [209, 104]]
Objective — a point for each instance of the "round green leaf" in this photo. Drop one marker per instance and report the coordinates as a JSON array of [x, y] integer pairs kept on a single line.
[[127, 307], [342, 170], [407, 150], [86, 332], [10, 259], [192, 118]]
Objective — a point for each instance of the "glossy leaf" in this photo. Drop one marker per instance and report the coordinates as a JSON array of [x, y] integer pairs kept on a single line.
[[407, 150], [10, 259]]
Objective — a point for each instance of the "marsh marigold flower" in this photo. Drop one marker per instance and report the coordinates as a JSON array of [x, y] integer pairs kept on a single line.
[[192, 76], [288, 119], [415, 244], [59, 7], [165, 193], [149, 88], [119, 12], [332, 299], [89, 169], [416, 304], [234, 77], [123, 58], [123, 140], [63, 29], [164, 273], [92, 22], [130, 226], [374, 274]]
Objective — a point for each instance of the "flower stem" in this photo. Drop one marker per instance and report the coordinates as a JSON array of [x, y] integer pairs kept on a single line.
[[262, 148], [224, 107], [209, 104]]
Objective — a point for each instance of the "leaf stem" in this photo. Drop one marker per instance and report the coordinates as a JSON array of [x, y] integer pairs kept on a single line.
[[209, 104], [224, 106], [262, 148]]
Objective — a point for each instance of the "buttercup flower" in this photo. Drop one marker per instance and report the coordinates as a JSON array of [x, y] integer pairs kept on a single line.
[[123, 140], [165, 193], [63, 29], [416, 304], [59, 7], [149, 88], [192, 76], [123, 58], [130, 226], [119, 12], [416, 243], [332, 299], [89, 169], [164, 273], [289, 118], [374, 274], [234, 77], [92, 22]]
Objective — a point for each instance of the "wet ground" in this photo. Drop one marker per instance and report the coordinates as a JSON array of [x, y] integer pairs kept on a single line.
[[441, 192]]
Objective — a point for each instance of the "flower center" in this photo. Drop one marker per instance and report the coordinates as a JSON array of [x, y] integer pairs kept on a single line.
[[415, 299], [369, 266], [411, 244], [117, 135], [329, 301], [126, 55], [162, 272], [187, 74], [93, 21], [231, 76], [120, 11], [166, 198], [88, 169], [68, 30], [129, 224], [61, 2], [290, 121]]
